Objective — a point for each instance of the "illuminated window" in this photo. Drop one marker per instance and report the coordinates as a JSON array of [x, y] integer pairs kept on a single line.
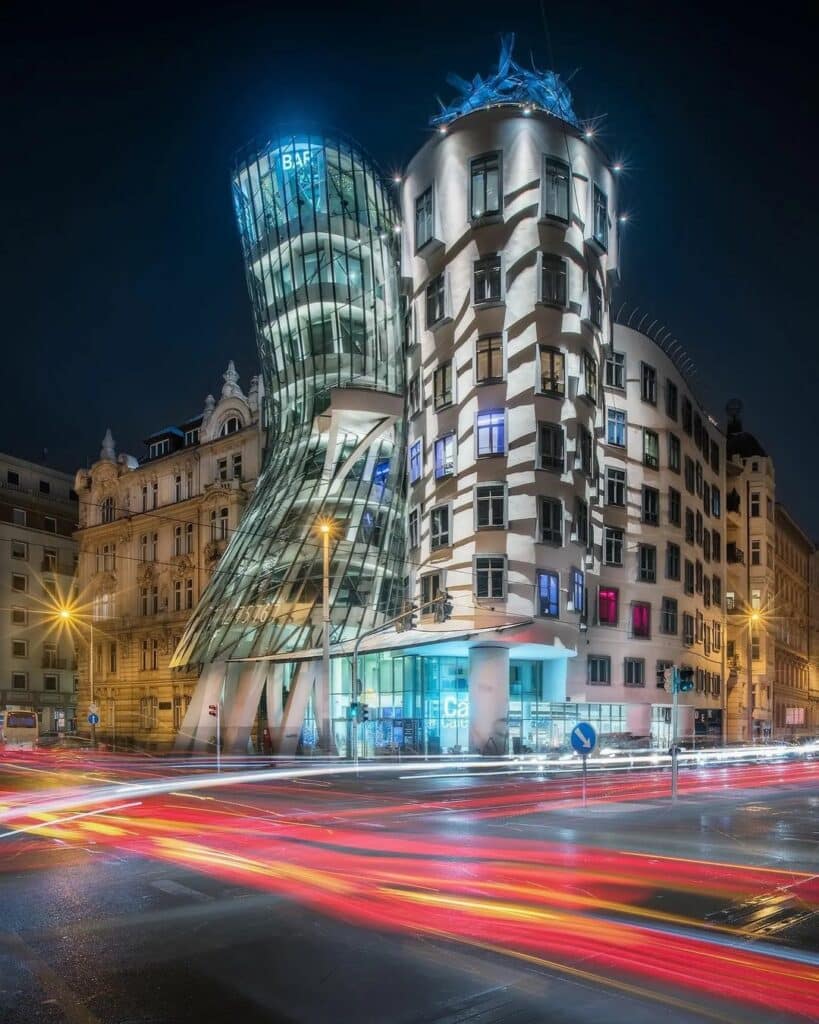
[[416, 461], [600, 217], [548, 589], [641, 619], [616, 427], [608, 606], [444, 456], [552, 371], [489, 359]]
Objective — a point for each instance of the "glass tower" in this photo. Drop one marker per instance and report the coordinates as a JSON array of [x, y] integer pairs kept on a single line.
[[318, 232]]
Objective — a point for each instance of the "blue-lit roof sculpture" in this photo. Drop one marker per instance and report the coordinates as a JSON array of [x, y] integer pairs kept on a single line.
[[510, 84]]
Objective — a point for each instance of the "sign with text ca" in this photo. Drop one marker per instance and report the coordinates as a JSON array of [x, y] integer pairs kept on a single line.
[[299, 170]]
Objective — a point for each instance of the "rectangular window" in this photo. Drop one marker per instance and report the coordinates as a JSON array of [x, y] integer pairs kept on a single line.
[[716, 502], [552, 372], [595, 303], [439, 527], [490, 432], [19, 549], [177, 595], [486, 186], [687, 415], [584, 456], [608, 600], [674, 453], [578, 591], [668, 616], [647, 563], [435, 303], [672, 561], [431, 585], [490, 576], [716, 590], [414, 394], [581, 521], [674, 507], [222, 469], [651, 506], [551, 521], [12, 478], [19, 616], [442, 385], [599, 670], [600, 217], [648, 383], [444, 456], [756, 552], [191, 437], [716, 636], [688, 582], [615, 486], [50, 524], [688, 629], [641, 619], [553, 281], [671, 399], [550, 436], [19, 516], [19, 648], [548, 588], [51, 683], [706, 545], [689, 526], [489, 359], [616, 370], [19, 582], [19, 680], [589, 376], [616, 427], [613, 546], [416, 461], [715, 456], [755, 505], [490, 506], [424, 219], [237, 466], [413, 527], [651, 449], [486, 280], [634, 671], [556, 179]]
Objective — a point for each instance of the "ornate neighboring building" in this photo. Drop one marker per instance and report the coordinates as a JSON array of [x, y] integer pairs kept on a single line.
[[151, 533]]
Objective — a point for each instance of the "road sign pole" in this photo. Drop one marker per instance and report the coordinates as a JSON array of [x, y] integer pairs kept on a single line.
[[219, 735], [584, 780], [674, 705]]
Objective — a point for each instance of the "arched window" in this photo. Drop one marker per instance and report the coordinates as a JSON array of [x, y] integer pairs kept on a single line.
[[107, 510], [231, 425]]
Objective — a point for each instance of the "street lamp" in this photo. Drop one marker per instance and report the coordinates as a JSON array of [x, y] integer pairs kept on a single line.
[[70, 617], [753, 619], [326, 528]]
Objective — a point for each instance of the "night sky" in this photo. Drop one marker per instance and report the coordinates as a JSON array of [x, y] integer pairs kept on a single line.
[[122, 284]]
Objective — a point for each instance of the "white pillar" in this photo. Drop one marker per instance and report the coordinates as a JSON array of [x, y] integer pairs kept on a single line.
[[198, 729], [240, 712], [285, 738], [488, 700]]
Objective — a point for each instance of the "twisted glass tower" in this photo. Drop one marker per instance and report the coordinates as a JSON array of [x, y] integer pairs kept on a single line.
[[318, 227]]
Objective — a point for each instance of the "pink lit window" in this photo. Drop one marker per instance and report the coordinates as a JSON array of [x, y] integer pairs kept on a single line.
[[607, 606], [641, 619]]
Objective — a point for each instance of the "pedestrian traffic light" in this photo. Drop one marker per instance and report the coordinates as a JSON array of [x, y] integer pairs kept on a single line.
[[364, 712], [443, 607], [352, 712], [408, 619], [686, 679]]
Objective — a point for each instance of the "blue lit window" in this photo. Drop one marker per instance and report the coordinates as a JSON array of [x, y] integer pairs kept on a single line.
[[578, 591], [548, 589], [491, 432], [416, 461], [601, 218], [381, 472], [444, 456], [616, 428]]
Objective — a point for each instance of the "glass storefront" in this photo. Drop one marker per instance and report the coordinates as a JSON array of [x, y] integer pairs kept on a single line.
[[420, 706]]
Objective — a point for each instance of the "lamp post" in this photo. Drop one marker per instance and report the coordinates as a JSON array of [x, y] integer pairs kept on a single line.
[[325, 528], [67, 615], [753, 619]]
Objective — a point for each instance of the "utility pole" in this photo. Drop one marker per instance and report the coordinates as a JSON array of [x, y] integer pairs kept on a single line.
[[91, 654], [324, 725]]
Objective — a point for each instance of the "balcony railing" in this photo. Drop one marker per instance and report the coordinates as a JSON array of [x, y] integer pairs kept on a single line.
[[735, 555], [52, 661]]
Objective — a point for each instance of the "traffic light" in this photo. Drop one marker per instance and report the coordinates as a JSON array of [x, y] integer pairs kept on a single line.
[[408, 619], [352, 712], [364, 712], [443, 607], [686, 679]]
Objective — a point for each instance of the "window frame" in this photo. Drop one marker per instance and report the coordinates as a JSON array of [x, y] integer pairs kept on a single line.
[[485, 159], [490, 569], [551, 352], [420, 199], [496, 420], [490, 500], [486, 266], [552, 597], [558, 267], [555, 536], [549, 166], [492, 353]]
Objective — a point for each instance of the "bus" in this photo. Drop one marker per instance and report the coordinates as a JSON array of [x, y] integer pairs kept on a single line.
[[19, 727]]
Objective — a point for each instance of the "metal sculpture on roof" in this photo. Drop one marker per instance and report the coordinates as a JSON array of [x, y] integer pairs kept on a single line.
[[511, 83]]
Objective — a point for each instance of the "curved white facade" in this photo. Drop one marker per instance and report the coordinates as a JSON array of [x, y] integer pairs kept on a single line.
[[523, 333]]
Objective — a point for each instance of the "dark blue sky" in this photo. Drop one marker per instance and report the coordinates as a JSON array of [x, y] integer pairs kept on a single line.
[[122, 284]]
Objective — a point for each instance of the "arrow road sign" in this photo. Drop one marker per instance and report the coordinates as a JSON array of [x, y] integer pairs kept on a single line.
[[93, 719], [584, 738]]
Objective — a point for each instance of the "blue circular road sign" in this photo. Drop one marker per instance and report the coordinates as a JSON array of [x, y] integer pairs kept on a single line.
[[584, 738], [93, 719]]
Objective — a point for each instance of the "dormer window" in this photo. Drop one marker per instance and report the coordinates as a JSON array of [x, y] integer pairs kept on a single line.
[[191, 437], [231, 426], [158, 448]]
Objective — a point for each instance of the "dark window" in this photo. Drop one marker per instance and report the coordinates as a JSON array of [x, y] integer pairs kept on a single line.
[[423, 218], [688, 584], [616, 370], [651, 506], [689, 474], [687, 415], [674, 507], [486, 185], [595, 303], [634, 671], [548, 588], [615, 486], [442, 385], [584, 450], [551, 521], [435, 300], [581, 521], [668, 616], [647, 563], [490, 505], [551, 446], [599, 670], [715, 456], [439, 527], [490, 576], [651, 449], [613, 546], [674, 453], [556, 177], [601, 217], [672, 561], [553, 288], [671, 399], [589, 376], [487, 280], [648, 383]]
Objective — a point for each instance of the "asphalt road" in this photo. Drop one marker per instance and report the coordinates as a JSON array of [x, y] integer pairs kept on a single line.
[[458, 897]]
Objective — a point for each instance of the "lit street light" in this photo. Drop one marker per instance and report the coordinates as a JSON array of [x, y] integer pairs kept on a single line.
[[70, 617], [325, 528]]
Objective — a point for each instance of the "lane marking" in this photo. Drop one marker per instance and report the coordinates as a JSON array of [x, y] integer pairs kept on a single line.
[[172, 888], [71, 817]]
